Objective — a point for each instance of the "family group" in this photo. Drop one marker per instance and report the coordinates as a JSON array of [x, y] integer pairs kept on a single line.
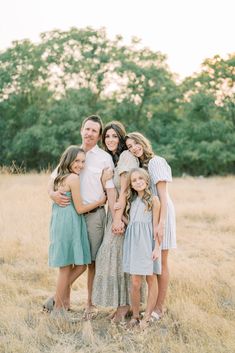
[[112, 215]]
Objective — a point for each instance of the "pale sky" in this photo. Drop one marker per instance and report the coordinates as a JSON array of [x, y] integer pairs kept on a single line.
[[187, 31]]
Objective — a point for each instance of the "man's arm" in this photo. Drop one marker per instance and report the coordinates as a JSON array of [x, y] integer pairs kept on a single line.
[[57, 196]]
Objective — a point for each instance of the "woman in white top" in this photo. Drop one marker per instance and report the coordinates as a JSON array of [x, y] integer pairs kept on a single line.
[[160, 175]]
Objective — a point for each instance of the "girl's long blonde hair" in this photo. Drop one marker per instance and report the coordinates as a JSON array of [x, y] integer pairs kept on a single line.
[[66, 161], [147, 148], [132, 194]]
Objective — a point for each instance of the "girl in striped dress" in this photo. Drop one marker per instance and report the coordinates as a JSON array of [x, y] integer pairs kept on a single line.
[[160, 175]]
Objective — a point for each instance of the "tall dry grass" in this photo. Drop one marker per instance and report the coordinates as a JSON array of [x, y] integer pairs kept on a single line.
[[201, 299]]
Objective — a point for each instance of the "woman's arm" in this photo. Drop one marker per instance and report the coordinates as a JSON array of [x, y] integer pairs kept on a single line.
[[111, 196], [73, 181], [118, 225], [161, 188], [156, 214]]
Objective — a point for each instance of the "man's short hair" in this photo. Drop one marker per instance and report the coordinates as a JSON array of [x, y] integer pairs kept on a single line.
[[95, 119]]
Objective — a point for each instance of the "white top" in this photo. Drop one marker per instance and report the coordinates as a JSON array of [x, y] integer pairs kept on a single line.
[[90, 177]]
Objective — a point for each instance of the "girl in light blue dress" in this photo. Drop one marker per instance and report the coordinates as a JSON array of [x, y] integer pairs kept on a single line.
[[69, 246], [141, 250]]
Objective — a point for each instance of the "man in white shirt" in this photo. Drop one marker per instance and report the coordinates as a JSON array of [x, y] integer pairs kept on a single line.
[[92, 190]]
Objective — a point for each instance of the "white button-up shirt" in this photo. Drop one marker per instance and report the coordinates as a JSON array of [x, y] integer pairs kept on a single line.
[[90, 177]]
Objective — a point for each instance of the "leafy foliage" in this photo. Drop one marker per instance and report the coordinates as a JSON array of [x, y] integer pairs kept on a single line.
[[47, 89]]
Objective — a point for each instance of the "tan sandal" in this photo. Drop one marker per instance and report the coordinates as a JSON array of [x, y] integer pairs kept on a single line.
[[120, 315], [48, 305], [112, 315], [90, 313], [145, 322], [133, 323], [156, 316]]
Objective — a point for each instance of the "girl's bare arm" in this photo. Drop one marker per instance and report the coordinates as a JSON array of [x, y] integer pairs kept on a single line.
[[73, 181]]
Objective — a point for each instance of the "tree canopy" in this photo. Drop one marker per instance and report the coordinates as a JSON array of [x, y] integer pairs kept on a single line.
[[47, 89]]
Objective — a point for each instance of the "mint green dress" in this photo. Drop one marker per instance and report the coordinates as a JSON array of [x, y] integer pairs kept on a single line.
[[69, 243]]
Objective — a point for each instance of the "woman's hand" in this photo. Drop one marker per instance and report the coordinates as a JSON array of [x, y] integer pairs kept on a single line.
[[107, 174], [159, 232], [155, 253]]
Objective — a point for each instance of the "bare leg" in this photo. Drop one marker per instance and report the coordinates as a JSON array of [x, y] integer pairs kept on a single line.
[[62, 287], [135, 295], [75, 272], [151, 301], [90, 279], [152, 290], [163, 281]]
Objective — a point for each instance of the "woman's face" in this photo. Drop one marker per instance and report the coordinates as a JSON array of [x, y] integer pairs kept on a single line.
[[111, 140], [78, 164], [135, 148]]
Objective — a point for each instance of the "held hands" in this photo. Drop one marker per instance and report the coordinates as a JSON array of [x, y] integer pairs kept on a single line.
[[118, 228]]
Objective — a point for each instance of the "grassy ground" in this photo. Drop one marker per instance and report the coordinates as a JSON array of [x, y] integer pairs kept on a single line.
[[201, 299]]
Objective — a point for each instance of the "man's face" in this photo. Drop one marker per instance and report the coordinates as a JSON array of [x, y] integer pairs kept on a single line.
[[90, 133]]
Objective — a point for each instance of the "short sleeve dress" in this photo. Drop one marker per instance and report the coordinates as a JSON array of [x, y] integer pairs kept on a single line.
[[69, 244], [159, 170], [111, 284], [139, 242]]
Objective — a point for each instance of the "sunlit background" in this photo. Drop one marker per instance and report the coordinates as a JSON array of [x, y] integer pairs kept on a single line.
[[186, 31]]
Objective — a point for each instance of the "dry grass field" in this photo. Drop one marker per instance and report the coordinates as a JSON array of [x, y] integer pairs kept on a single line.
[[200, 314]]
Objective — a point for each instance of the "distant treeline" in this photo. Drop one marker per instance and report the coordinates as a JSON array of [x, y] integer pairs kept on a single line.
[[47, 89]]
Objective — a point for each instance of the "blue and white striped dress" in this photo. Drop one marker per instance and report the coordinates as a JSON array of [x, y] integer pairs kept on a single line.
[[159, 170]]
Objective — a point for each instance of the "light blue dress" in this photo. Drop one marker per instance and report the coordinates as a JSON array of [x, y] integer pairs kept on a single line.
[[69, 243], [139, 243]]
